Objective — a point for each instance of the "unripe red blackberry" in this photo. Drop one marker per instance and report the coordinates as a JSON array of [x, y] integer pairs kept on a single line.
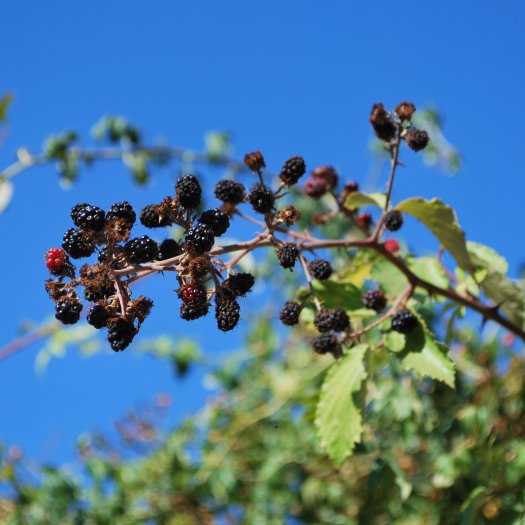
[[217, 220], [190, 313], [151, 218], [199, 239], [384, 126], [287, 255], [77, 245], [294, 168], [404, 322], [364, 220], [331, 319], [327, 344], [88, 217], [391, 245], [315, 187], [168, 248], [227, 314], [254, 161], [290, 313], [120, 333], [393, 220], [375, 300], [124, 211], [405, 110], [193, 294], [188, 191], [417, 139], [141, 249], [229, 191], [320, 269], [56, 261], [98, 316], [68, 311], [239, 283], [327, 174], [261, 198]]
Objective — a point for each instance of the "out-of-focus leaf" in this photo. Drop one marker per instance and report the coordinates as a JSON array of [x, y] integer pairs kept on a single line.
[[430, 270], [6, 194], [356, 199], [5, 102]]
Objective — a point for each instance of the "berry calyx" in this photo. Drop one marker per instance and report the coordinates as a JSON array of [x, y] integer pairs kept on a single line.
[[375, 300], [227, 314], [404, 322], [287, 255], [327, 344], [229, 191], [393, 220], [141, 249], [68, 311], [188, 191], [320, 269], [217, 220], [290, 313], [261, 198], [294, 168], [417, 139]]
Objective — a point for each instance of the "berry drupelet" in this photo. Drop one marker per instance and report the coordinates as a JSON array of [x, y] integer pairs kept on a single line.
[[227, 314], [393, 220], [68, 311], [229, 191], [293, 169], [141, 249], [287, 255], [88, 217], [188, 191], [327, 344], [331, 319], [216, 219], [320, 269], [76, 244], [290, 313], [261, 198], [199, 239], [375, 300], [404, 322]]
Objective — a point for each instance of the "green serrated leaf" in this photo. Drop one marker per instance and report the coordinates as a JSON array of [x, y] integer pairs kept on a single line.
[[356, 199], [441, 220], [389, 278], [430, 270], [338, 419], [334, 294], [486, 257], [423, 354]]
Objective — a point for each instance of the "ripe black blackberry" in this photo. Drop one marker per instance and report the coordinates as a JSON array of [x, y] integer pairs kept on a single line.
[[290, 313], [88, 217], [76, 244], [384, 126], [98, 316], [120, 333], [229, 191], [239, 283], [227, 314], [189, 313], [141, 249], [375, 300], [188, 191], [217, 220], [261, 198], [331, 319], [417, 139], [404, 322], [287, 255], [293, 169], [68, 311], [124, 211], [199, 239], [168, 248], [320, 269], [327, 344], [393, 220], [151, 217]]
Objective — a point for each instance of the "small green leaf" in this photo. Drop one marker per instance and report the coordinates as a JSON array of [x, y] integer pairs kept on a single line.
[[335, 294], [218, 145], [426, 356], [356, 199], [5, 102], [338, 419], [441, 220], [430, 270], [389, 278]]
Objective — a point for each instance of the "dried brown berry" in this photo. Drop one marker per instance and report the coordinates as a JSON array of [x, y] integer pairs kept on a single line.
[[405, 110], [417, 139], [254, 161], [290, 215], [384, 126], [327, 174]]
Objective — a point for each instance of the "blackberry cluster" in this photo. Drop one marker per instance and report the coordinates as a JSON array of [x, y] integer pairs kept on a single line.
[[141, 249], [98, 316], [287, 255], [404, 322], [417, 139], [229, 191], [168, 248], [382, 123], [327, 344], [293, 169], [77, 244], [239, 284], [121, 333], [122, 211], [199, 239], [217, 220], [320, 269], [88, 217], [261, 198], [335, 319], [375, 300], [57, 262], [188, 191], [227, 313], [393, 220], [151, 217], [68, 311], [190, 313], [290, 313]]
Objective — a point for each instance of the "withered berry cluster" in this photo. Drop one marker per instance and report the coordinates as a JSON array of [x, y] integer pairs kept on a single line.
[[123, 259]]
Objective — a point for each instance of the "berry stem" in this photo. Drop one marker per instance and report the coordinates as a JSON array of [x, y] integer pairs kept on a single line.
[[308, 276]]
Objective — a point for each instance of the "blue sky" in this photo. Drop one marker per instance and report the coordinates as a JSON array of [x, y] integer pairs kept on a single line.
[[288, 78]]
